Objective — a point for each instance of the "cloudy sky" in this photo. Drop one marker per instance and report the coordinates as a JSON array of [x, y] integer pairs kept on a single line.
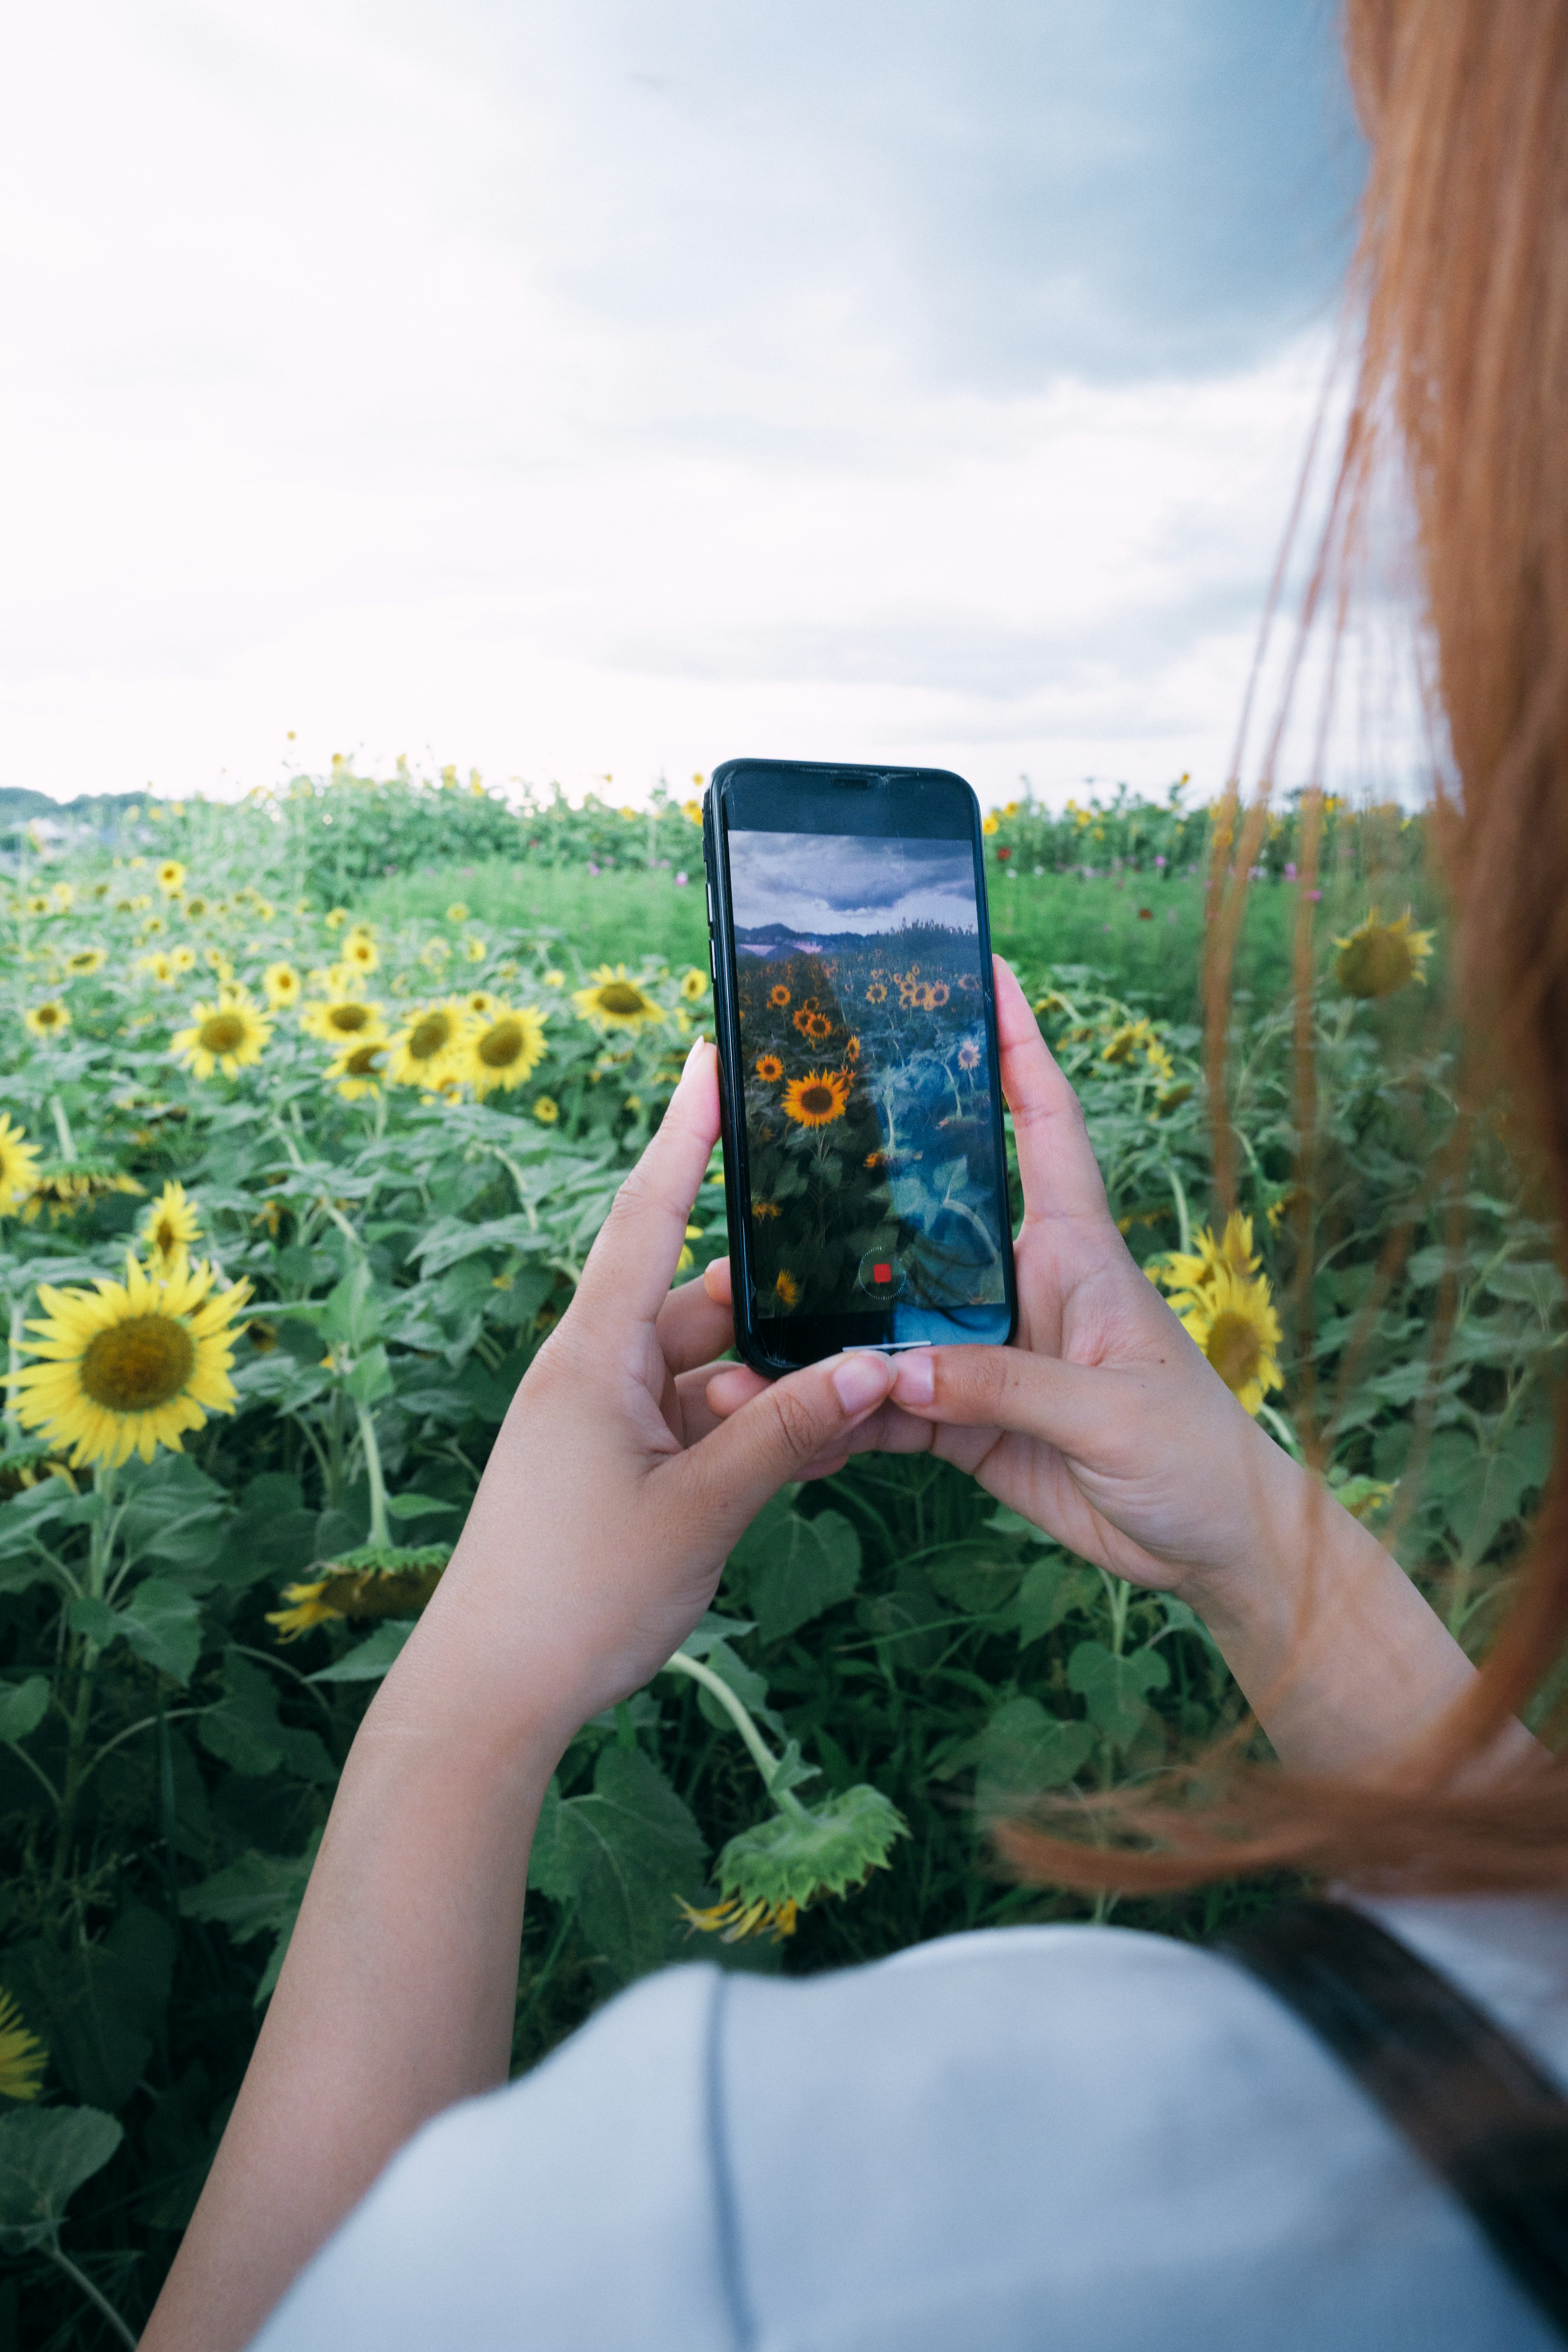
[[573, 387], [849, 882]]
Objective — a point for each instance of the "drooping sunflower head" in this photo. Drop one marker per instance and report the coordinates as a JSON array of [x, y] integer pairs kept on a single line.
[[168, 1230], [84, 961], [694, 984], [1379, 959], [818, 1099], [283, 985], [778, 994], [376, 1581], [228, 1035], [47, 1020], [505, 1050], [130, 1366], [171, 876], [611, 1001], [769, 1068], [23, 2056], [18, 1165], [1236, 1325], [358, 1070], [425, 1050]]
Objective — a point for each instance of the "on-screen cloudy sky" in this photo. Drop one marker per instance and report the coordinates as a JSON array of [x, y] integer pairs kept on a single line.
[[849, 882], [581, 386]]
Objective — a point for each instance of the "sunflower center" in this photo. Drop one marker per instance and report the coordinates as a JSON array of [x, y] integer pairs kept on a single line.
[[620, 996], [47, 1015], [361, 1062], [817, 1102], [348, 1020], [221, 1033], [500, 1047], [429, 1037], [164, 1236], [1234, 1350], [138, 1365]]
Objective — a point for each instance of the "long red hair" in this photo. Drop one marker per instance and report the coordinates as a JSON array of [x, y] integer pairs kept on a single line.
[[1459, 293]]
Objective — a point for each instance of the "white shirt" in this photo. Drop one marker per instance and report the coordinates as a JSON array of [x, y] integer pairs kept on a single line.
[[1022, 2138]]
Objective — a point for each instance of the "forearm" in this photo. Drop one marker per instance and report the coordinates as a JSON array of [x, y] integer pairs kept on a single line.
[[397, 1998]]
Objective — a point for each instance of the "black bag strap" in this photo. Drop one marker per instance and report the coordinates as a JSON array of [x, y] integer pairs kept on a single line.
[[1463, 2092]]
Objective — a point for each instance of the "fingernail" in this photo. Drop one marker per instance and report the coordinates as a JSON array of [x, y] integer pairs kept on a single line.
[[860, 1382], [914, 1378], [696, 1047]]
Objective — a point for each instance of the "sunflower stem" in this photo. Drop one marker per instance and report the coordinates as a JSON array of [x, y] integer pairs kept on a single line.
[[761, 1754], [1183, 1216], [379, 1531], [80, 2279], [1282, 1431], [13, 1373], [62, 1128]]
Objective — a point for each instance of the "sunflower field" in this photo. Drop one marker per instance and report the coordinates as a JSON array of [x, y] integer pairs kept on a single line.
[[299, 1162]]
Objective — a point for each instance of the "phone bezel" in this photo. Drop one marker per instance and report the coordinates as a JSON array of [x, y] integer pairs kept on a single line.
[[821, 782]]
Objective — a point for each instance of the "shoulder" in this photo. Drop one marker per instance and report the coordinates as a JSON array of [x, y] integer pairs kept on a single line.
[[1089, 2134]]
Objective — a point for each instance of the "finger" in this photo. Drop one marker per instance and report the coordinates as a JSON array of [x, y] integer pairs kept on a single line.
[[1006, 1388], [887, 1431], [716, 1281], [723, 1484], [1056, 1163], [631, 1265], [692, 1327], [731, 1386], [697, 1415]]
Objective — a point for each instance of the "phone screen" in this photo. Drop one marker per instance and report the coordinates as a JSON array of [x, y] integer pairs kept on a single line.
[[873, 1162]]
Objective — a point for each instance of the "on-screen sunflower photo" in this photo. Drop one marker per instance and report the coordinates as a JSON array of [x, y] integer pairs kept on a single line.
[[18, 1165], [283, 985], [49, 1019], [83, 961], [131, 1365], [778, 994], [1236, 1325], [611, 1001], [1379, 959], [769, 1068], [505, 1051], [171, 876], [168, 1230], [425, 1050], [228, 1035], [786, 1291], [876, 992], [817, 1100]]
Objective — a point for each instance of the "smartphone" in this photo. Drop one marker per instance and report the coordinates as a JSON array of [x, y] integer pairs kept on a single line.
[[864, 1174]]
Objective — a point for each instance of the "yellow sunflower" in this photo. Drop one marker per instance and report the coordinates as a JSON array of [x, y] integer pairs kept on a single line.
[[183, 959], [817, 1100], [171, 876], [227, 1035], [359, 952], [509, 1046], [786, 1291], [457, 912], [474, 948], [1235, 1325], [38, 905], [197, 906], [546, 1109], [18, 1165], [23, 2056], [694, 984], [130, 1366], [85, 961], [1190, 1276], [876, 992], [168, 1229], [425, 1050], [49, 1019], [1380, 958], [158, 967], [554, 979], [778, 994], [769, 1068], [358, 1070], [335, 917], [345, 1020], [613, 1002], [63, 896], [692, 812], [481, 1003], [283, 985]]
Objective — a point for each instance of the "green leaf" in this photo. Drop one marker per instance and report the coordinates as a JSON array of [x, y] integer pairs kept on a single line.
[[620, 1855], [1540, 1286], [369, 1660], [95, 1619], [23, 1707], [445, 1246], [371, 1378], [1024, 1750], [1114, 1689], [1051, 1590], [98, 2006], [977, 1578], [792, 1568], [351, 1314], [260, 1894], [46, 2153], [163, 1623], [415, 1507], [790, 1860]]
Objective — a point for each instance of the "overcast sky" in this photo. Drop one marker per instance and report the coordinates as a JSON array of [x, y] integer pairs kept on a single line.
[[582, 386], [849, 882]]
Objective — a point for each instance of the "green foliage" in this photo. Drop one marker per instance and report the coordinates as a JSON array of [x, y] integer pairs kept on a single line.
[[914, 1655]]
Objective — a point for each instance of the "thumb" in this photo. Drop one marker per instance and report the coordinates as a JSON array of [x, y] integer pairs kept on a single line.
[[1008, 1388], [739, 1465]]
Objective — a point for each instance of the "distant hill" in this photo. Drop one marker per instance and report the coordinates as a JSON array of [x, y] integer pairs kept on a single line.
[[18, 805], [767, 940]]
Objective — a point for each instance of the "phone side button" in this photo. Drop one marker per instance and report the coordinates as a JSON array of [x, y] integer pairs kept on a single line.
[[713, 966]]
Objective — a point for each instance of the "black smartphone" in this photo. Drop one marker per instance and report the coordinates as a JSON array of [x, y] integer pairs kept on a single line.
[[865, 1173]]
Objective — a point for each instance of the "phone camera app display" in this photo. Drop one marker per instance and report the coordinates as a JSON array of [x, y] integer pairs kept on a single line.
[[870, 1130]]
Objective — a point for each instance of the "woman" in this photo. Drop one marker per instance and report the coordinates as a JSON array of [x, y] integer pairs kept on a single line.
[[1067, 2135]]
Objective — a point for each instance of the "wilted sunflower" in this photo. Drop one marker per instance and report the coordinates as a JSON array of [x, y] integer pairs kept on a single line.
[[425, 1050], [18, 1165], [76, 1184], [283, 985], [817, 1100], [613, 1002], [778, 994], [168, 1229], [85, 961], [694, 984], [171, 876], [358, 1070], [129, 1367], [1235, 1325], [769, 1069], [23, 2056], [376, 1581], [49, 1019], [546, 1109], [1380, 958], [227, 1035], [505, 1050]]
